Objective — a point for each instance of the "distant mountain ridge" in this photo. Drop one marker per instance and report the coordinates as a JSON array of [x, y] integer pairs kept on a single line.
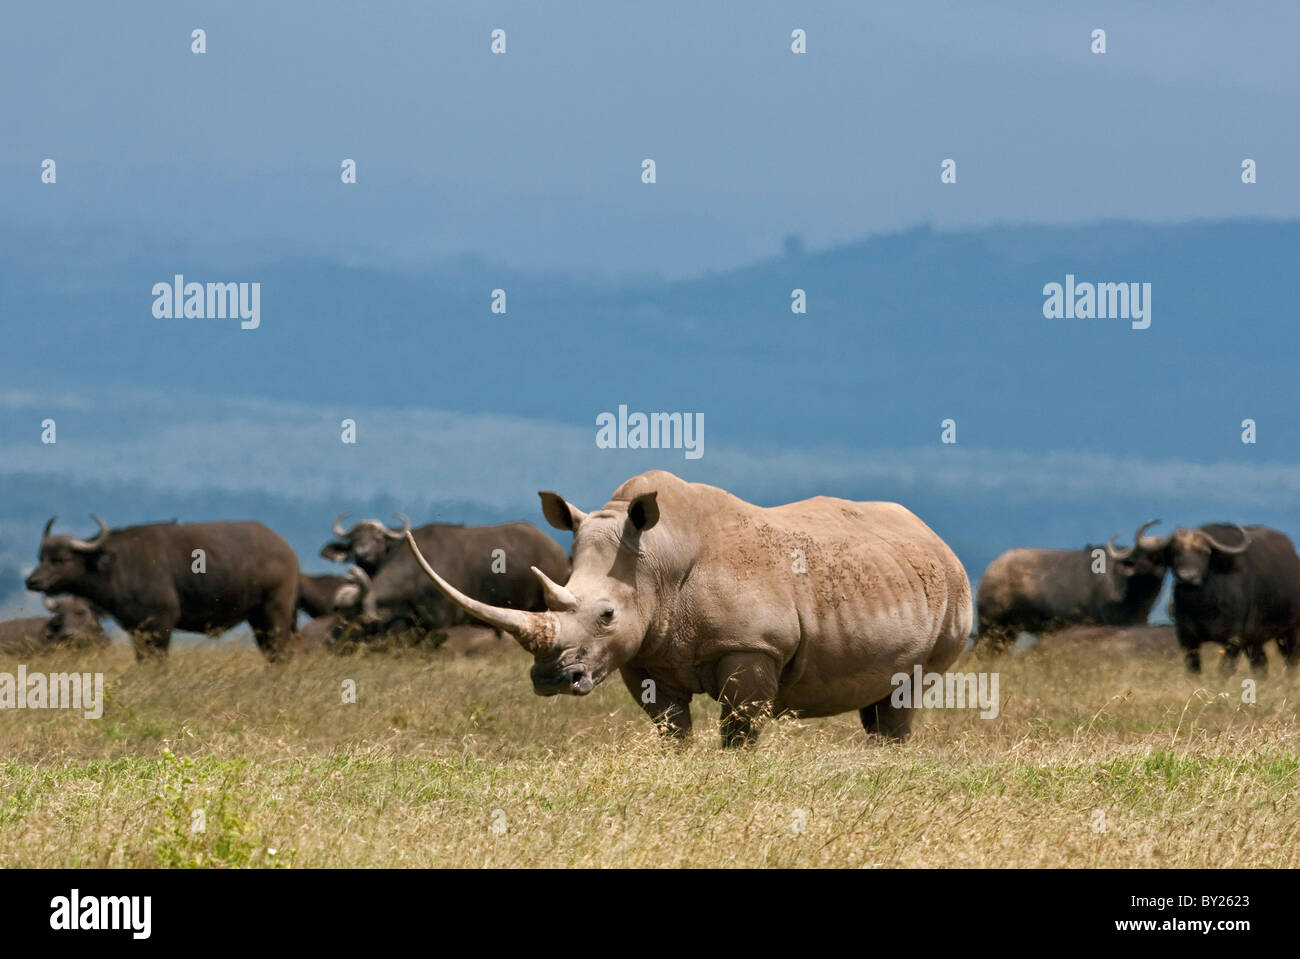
[[902, 333]]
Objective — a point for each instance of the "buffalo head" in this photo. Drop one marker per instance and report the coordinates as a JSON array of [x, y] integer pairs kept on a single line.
[[597, 622], [73, 620], [1148, 556], [367, 543], [1190, 551], [67, 562]]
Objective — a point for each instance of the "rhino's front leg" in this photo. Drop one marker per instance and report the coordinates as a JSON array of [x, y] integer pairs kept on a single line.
[[747, 684], [669, 709]]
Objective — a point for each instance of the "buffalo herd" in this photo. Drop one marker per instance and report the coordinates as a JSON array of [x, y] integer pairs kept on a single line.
[[1237, 587], [680, 588]]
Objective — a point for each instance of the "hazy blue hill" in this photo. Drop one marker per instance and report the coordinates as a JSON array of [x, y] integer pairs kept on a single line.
[[902, 331]]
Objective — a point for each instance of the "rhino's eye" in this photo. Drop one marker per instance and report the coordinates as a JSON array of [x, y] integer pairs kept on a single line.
[[607, 614]]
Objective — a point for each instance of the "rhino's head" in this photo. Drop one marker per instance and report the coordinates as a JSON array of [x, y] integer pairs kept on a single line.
[[596, 623]]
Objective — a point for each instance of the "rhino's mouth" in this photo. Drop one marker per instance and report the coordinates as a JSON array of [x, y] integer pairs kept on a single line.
[[572, 679]]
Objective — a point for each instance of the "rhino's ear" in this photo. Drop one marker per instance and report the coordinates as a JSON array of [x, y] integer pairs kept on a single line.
[[643, 512], [560, 514]]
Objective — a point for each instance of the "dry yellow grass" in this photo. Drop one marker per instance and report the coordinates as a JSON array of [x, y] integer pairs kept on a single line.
[[447, 759]]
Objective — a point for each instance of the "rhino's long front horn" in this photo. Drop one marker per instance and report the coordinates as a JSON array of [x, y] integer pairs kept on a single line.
[[535, 631], [48, 526], [83, 546], [558, 597], [339, 531]]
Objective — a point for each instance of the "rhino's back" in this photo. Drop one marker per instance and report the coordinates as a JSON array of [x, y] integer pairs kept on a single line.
[[866, 590]]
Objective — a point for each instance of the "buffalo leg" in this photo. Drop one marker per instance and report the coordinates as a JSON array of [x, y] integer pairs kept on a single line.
[[273, 623], [669, 710], [747, 685], [1228, 664], [1258, 659], [1289, 646], [1191, 646], [151, 644], [883, 718], [994, 639]]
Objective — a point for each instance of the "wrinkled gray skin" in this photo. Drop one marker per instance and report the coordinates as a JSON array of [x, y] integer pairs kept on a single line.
[[143, 577], [400, 595], [368, 544], [1043, 590], [1238, 588], [683, 589], [73, 625]]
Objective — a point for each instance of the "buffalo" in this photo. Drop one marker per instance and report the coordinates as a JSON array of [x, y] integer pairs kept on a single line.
[[316, 594], [491, 563], [1041, 590], [74, 623], [367, 544], [321, 632], [1238, 588], [203, 577], [335, 623], [811, 609]]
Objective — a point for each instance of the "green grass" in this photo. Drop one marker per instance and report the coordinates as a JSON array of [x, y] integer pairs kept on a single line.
[[447, 759]]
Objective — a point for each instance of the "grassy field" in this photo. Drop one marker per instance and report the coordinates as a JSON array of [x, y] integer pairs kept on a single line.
[[1099, 758]]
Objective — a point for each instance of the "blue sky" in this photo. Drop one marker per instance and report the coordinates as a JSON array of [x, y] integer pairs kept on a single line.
[[532, 158]]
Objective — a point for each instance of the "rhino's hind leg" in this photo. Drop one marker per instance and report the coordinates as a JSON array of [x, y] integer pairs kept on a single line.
[[885, 719], [669, 710], [747, 684]]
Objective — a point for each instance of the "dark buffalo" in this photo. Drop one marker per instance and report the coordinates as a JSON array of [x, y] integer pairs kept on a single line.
[[316, 593], [1042, 590], [148, 578], [322, 632], [327, 629], [367, 544], [1238, 588], [489, 563], [75, 623]]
